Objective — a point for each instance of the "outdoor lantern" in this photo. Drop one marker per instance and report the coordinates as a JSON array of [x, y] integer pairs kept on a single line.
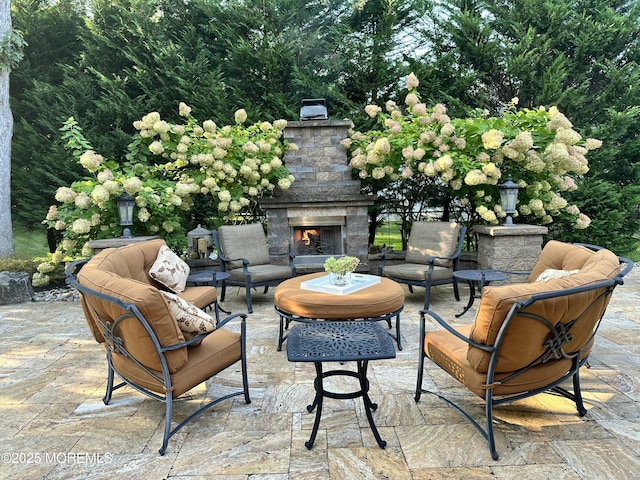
[[125, 204], [199, 241], [313, 109], [508, 199]]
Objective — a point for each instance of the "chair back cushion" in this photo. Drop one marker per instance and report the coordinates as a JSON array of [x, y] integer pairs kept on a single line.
[[244, 241], [524, 340], [107, 273], [429, 239]]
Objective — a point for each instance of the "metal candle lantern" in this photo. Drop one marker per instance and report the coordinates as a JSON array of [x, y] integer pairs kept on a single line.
[[508, 199], [125, 204]]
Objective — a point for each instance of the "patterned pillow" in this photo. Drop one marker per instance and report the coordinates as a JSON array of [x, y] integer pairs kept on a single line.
[[170, 270], [191, 320], [551, 273]]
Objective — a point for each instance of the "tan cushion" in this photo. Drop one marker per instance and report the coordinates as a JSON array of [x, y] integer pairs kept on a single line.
[[244, 241], [429, 239], [170, 270], [191, 320], [560, 256], [524, 339], [216, 352], [416, 271], [379, 299], [450, 353], [97, 275], [201, 296], [133, 260], [262, 273]]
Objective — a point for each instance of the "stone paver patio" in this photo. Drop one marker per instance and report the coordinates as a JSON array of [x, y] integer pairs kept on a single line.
[[55, 426]]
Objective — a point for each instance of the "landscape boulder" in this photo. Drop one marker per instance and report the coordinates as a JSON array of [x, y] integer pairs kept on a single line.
[[15, 287]]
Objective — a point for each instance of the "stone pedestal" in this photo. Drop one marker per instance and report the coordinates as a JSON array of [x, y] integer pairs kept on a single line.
[[515, 248], [99, 245]]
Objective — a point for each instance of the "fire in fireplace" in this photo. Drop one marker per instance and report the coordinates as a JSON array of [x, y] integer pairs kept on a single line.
[[317, 237]]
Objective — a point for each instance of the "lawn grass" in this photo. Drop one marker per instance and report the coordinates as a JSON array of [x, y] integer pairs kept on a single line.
[[29, 244], [389, 234]]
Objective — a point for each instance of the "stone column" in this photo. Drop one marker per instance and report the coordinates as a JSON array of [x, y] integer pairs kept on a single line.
[[515, 248]]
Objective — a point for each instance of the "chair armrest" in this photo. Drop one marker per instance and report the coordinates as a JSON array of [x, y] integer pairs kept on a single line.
[[202, 336], [444, 324]]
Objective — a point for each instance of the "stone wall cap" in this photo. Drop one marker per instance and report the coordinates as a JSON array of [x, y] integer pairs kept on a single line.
[[514, 230], [119, 242], [319, 123]]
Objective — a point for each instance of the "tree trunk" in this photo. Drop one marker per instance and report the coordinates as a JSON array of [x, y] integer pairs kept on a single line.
[[6, 132]]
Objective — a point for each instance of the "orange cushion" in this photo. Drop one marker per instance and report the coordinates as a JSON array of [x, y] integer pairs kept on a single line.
[[376, 300]]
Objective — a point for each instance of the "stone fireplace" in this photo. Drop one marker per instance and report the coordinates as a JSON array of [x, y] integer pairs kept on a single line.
[[323, 214]]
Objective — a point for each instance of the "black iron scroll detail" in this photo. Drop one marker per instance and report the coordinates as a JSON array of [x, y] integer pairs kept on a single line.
[[554, 345]]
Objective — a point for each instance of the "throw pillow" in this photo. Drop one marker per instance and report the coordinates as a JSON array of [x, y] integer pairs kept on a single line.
[[551, 273], [170, 270], [191, 320]]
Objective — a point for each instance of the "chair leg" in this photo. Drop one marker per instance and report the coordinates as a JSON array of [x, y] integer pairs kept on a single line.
[[421, 356], [167, 422], [245, 377], [419, 380], [456, 293], [427, 297], [489, 425], [249, 302], [107, 394], [223, 289], [577, 394]]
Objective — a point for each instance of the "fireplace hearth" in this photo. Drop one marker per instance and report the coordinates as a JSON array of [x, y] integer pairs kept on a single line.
[[323, 214]]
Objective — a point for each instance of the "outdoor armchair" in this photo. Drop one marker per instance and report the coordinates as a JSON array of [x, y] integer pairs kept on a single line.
[[433, 254], [527, 338], [244, 254], [144, 343]]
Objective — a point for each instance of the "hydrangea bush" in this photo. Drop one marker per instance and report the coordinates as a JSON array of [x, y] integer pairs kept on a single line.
[[166, 166], [470, 157]]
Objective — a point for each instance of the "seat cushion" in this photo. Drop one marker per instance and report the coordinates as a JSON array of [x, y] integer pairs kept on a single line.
[[216, 352], [201, 297], [416, 272], [262, 273], [244, 241], [450, 353], [430, 239], [374, 301]]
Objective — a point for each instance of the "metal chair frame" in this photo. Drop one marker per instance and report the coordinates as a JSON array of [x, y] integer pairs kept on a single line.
[[552, 348], [248, 283], [428, 282], [115, 344]]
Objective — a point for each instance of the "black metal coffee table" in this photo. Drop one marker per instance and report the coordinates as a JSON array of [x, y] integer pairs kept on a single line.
[[339, 341], [482, 278]]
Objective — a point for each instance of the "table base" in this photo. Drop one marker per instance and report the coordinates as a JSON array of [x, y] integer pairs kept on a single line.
[[321, 393]]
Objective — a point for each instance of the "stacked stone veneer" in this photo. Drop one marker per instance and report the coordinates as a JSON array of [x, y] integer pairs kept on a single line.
[[515, 248], [324, 187]]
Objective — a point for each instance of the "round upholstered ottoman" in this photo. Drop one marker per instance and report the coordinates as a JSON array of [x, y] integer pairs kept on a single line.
[[381, 301]]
